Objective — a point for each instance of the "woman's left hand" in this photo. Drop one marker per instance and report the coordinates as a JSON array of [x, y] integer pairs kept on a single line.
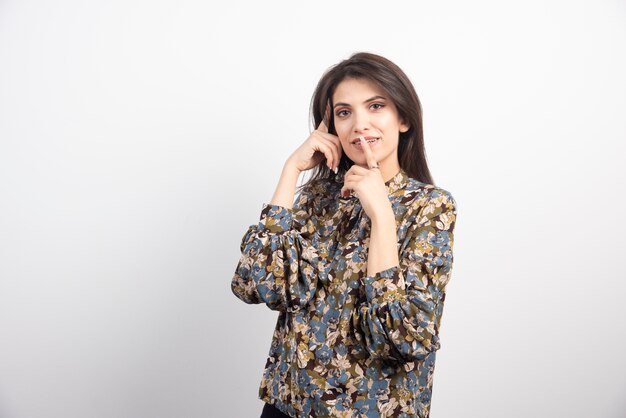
[[368, 185]]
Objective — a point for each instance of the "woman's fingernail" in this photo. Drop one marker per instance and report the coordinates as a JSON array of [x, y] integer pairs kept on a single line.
[[336, 170]]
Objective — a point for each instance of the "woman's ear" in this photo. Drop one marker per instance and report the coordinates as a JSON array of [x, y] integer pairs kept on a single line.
[[404, 127]]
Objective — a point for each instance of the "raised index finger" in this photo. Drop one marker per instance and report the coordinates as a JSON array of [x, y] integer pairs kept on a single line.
[[323, 127], [369, 155]]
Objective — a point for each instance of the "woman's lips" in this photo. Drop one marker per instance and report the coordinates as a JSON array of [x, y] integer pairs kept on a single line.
[[372, 144]]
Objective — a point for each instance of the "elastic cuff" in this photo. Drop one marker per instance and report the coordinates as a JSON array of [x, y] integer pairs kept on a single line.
[[275, 218], [385, 285]]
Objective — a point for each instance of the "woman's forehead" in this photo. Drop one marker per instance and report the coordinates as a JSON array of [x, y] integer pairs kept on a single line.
[[356, 90]]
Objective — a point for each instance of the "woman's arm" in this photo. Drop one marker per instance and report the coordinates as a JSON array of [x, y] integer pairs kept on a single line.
[[279, 265], [400, 316], [285, 190]]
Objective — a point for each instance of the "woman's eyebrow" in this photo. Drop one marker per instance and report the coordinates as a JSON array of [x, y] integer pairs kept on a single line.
[[368, 100]]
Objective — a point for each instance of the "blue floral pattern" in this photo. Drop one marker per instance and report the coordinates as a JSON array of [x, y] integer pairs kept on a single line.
[[348, 344]]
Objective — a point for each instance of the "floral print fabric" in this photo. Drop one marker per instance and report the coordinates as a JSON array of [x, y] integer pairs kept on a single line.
[[348, 344]]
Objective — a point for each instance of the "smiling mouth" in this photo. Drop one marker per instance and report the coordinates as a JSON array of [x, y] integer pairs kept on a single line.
[[369, 139]]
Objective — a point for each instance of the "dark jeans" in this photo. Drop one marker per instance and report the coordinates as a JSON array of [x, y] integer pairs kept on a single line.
[[270, 411]]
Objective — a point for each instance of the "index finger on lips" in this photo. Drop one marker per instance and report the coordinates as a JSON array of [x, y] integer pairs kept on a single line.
[[369, 155]]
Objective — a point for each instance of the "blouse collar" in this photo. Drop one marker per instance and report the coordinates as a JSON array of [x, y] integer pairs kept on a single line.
[[397, 182]]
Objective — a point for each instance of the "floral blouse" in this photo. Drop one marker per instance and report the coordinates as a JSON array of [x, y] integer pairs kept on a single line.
[[348, 344]]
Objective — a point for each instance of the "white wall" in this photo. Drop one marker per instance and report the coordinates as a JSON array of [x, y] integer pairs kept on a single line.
[[139, 139]]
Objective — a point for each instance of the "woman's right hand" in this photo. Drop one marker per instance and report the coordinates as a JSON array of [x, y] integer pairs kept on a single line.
[[318, 146]]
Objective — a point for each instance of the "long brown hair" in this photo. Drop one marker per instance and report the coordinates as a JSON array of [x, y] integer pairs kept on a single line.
[[393, 81]]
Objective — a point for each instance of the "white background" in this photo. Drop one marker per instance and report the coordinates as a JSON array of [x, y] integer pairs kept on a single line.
[[139, 139]]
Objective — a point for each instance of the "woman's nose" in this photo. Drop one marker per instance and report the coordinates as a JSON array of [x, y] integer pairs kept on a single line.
[[361, 122]]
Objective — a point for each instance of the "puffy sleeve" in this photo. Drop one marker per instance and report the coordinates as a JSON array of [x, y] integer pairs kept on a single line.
[[402, 307], [278, 264]]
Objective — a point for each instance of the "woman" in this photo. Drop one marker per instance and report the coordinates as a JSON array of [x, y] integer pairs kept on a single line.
[[357, 268]]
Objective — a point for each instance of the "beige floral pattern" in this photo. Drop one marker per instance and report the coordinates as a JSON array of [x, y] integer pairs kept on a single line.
[[348, 344]]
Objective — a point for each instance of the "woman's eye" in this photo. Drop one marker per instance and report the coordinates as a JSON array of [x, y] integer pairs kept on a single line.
[[378, 104], [340, 113]]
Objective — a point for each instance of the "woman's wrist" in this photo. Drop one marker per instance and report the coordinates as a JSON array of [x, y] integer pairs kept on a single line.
[[290, 167], [383, 215]]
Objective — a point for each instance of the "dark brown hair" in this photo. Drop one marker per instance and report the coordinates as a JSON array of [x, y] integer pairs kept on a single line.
[[393, 81]]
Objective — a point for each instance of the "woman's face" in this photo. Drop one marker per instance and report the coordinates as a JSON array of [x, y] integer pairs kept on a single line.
[[362, 108]]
